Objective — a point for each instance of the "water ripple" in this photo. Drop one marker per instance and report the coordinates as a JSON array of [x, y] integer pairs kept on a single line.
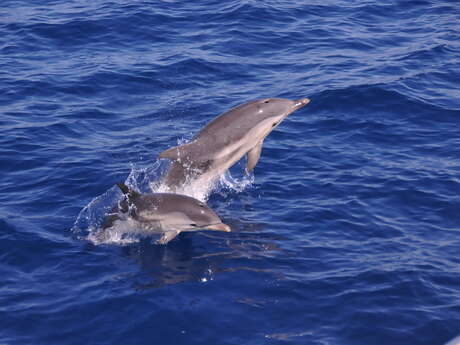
[[346, 233]]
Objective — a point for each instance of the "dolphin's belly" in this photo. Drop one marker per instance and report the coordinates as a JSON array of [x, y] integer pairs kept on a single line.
[[176, 175], [154, 226], [131, 225], [218, 160], [221, 165]]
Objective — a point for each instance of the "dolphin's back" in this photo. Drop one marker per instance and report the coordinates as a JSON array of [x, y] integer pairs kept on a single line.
[[163, 203], [234, 123]]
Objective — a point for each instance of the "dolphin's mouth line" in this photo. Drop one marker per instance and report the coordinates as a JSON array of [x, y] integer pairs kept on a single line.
[[217, 226], [297, 105], [212, 224]]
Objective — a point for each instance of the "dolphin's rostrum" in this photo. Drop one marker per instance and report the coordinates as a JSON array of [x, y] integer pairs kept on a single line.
[[225, 140], [164, 213]]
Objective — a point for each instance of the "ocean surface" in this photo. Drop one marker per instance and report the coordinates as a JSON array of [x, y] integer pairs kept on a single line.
[[347, 232]]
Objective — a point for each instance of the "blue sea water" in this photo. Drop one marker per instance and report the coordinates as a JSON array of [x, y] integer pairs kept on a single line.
[[348, 231]]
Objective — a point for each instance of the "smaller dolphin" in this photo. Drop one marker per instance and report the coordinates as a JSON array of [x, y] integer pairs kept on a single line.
[[164, 213], [225, 140]]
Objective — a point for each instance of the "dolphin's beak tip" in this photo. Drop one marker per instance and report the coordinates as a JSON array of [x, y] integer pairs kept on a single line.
[[301, 102]]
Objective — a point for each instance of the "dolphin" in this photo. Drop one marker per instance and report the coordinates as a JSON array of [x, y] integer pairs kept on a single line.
[[225, 140], [163, 213]]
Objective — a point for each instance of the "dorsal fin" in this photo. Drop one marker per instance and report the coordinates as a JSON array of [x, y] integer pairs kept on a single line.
[[127, 191], [176, 152]]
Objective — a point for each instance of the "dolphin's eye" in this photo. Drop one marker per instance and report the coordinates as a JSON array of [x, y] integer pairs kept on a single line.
[[193, 224], [267, 102], [274, 124]]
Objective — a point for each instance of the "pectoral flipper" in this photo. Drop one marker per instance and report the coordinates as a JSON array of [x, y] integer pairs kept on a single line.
[[168, 236], [253, 157]]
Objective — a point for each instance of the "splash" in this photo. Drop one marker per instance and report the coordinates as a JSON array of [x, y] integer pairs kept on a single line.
[[235, 183], [90, 220], [203, 189], [92, 215]]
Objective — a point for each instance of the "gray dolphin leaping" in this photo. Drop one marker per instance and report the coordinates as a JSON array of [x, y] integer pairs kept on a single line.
[[162, 213], [225, 140]]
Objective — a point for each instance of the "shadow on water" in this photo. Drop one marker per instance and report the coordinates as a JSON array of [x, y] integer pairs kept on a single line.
[[199, 257]]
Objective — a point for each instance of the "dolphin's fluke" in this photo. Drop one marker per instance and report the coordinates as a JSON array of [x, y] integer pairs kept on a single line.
[[253, 156]]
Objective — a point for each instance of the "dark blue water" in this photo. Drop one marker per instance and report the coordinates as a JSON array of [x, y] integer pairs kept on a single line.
[[348, 232]]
